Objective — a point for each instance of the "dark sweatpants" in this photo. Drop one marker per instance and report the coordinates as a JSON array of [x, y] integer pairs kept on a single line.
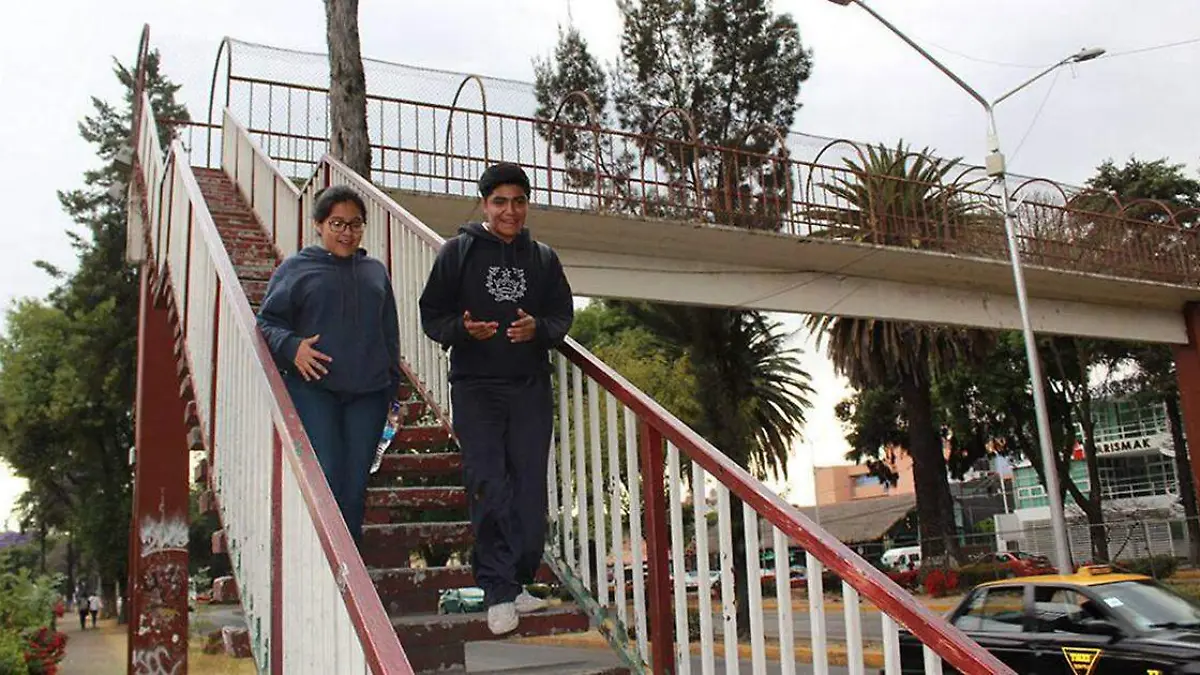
[[344, 430], [503, 428]]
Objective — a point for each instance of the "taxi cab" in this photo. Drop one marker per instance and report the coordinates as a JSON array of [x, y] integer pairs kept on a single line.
[[1094, 622]]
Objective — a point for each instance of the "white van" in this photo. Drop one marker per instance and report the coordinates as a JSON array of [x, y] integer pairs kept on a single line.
[[899, 558]]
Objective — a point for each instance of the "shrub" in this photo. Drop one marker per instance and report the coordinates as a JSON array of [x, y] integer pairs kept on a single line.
[[905, 578], [940, 582], [12, 653], [1157, 566], [44, 649]]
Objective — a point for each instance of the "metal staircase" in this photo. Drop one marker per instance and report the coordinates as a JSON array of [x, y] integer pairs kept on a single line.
[[623, 523]]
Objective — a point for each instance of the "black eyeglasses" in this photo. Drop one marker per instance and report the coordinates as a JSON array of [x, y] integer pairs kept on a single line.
[[339, 225]]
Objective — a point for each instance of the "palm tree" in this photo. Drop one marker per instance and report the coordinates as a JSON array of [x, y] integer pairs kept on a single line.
[[897, 198]]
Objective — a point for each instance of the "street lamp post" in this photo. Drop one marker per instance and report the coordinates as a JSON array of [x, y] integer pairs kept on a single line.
[[996, 169]]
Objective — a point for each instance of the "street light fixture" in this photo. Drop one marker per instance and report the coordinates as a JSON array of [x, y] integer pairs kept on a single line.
[[996, 169]]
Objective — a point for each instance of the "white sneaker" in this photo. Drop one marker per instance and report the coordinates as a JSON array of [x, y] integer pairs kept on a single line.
[[527, 603], [502, 618]]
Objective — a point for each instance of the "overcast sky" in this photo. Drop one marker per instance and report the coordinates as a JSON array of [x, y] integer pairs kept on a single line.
[[865, 85]]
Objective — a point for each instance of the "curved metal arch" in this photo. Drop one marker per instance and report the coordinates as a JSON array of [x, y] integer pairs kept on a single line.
[[227, 49], [808, 196], [1093, 192], [781, 141], [450, 123], [695, 142], [594, 123], [1163, 206], [1021, 188]]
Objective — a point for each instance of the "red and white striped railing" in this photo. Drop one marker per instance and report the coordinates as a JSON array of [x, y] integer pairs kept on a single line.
[[309, 604], [615, 455]]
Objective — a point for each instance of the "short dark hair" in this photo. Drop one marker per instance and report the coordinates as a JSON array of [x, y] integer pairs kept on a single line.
[[504, 173], [333, 195]]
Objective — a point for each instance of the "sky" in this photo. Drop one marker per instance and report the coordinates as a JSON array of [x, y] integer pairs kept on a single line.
[[865, 85]]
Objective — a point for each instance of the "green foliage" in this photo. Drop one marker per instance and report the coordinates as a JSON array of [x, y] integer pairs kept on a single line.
[[12, 653], [1155, 566], [67, 365], [26, 602]]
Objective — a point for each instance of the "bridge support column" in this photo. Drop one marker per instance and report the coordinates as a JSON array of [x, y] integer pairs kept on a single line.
[[158, 560], [1187, 371]]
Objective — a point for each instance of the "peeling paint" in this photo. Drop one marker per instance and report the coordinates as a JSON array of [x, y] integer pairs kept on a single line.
[[164, 534], [156, 661]]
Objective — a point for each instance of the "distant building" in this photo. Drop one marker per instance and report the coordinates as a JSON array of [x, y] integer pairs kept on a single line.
[[852, 482], [1138, 483]]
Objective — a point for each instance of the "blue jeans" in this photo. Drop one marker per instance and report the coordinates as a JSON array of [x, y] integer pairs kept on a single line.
[[344, 430]]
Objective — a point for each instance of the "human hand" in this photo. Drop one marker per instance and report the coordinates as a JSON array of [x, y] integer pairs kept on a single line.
[[523, 329], [479, 330], [309, 361]]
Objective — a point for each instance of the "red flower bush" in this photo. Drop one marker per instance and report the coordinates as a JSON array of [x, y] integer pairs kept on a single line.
[[44, 650], [938, 583]]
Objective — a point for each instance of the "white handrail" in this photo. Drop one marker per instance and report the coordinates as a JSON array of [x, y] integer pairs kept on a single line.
[[321, 614]]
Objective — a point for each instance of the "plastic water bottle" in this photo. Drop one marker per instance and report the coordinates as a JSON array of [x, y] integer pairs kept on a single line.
[[389, 432]]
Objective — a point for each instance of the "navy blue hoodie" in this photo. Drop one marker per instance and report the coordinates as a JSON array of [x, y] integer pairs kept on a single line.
[[350, 304], [493, 282]]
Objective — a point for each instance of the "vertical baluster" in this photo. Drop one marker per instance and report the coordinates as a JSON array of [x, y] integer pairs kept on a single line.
[[728, 587], [703, 588], [933, 662], [598, 492], [816, 613], [758, 646], [581, 497], [635, 532], [552, 496], [854, 640], [678, 569], [564, 444], [783, 598], [891, 646], [615, 510]]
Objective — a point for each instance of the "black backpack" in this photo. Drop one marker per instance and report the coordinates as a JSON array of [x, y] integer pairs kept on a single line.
[[544, 255]]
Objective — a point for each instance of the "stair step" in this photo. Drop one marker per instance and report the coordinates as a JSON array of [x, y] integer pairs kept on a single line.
[[389, 545], [425, 464], [405, 580], [424, 630], [417, 497], [417, 438]]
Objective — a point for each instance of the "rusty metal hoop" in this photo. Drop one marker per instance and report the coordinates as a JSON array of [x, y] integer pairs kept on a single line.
[[695, 142], [594, 123], [450, 123]]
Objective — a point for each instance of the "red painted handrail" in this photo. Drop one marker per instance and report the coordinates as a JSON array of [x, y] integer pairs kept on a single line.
[[948, 641]]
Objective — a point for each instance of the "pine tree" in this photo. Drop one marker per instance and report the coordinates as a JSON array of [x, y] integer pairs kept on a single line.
[[731, 66], [67, 367]]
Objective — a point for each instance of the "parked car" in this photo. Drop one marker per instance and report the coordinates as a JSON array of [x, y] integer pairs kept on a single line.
[[461, 600], [1008, 564], [1093, 622]]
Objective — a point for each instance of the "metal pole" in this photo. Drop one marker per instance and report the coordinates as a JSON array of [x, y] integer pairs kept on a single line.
[[996, 169], [1058, 524]]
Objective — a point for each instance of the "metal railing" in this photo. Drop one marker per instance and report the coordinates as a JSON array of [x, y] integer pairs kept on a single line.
[[643, 452], [669, 172], [319, 613]]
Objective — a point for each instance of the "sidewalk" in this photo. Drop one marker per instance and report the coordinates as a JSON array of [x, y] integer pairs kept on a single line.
[[95, 651]]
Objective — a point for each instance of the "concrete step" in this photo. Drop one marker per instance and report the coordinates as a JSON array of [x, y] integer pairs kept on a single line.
[[421, 438], [450, 497], [408, 590], [408, 465], [388, 545], [421, 631]]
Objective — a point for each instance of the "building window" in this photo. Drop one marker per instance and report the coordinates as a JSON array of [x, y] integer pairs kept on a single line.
[[865, 480]]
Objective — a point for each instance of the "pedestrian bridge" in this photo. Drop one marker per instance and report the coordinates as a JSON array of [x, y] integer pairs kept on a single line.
[[801, 227]]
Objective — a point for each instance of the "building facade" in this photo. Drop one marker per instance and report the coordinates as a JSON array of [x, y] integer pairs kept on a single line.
[[1138, 484]]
